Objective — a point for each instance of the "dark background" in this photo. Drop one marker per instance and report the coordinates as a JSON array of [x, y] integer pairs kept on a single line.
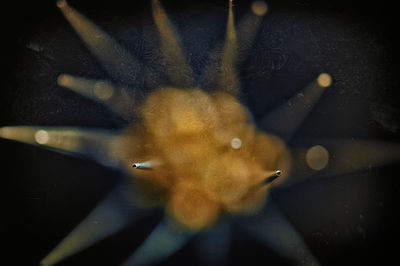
[[346, 220]]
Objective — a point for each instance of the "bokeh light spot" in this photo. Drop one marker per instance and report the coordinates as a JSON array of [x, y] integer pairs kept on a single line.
[[236, 143], [324, 80], [41, 137], [259, 8], [317, 157]]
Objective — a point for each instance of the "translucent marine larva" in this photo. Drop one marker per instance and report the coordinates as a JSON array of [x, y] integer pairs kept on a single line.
[[194, 146]]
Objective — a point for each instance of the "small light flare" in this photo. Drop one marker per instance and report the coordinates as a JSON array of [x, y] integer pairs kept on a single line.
[[259, 8], [236, 143], [42, 137], [324, 80], [317, 157]]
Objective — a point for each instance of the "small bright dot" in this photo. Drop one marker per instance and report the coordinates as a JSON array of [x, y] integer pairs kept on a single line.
[[41, 137], [236, 143], [259, 8], [103, 90], [324, 80], [317, 157]]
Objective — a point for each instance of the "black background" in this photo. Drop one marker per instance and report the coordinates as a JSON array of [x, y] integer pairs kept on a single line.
[[346, 220]]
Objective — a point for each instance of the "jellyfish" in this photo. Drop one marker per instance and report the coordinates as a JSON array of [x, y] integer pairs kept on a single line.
[[191, 146]]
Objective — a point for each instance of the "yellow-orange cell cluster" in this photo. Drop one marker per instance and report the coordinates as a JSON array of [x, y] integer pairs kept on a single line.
[[208, 156]]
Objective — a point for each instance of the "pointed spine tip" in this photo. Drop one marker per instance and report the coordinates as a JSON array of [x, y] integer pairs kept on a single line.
[[149, 165], [272, 178]]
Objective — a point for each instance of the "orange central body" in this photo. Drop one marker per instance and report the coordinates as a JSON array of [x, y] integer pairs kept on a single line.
[[208, 156]]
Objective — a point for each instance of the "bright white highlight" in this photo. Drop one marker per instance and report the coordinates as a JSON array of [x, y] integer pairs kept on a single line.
[[236, 143]]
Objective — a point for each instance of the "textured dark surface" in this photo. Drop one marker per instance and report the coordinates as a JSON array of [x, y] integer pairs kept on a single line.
[[346, 220]]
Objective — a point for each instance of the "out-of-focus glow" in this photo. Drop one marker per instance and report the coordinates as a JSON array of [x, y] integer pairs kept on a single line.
[[259, 8], [317, 157], [236, 143], [103, 90], [42, 137], [324, 80]]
